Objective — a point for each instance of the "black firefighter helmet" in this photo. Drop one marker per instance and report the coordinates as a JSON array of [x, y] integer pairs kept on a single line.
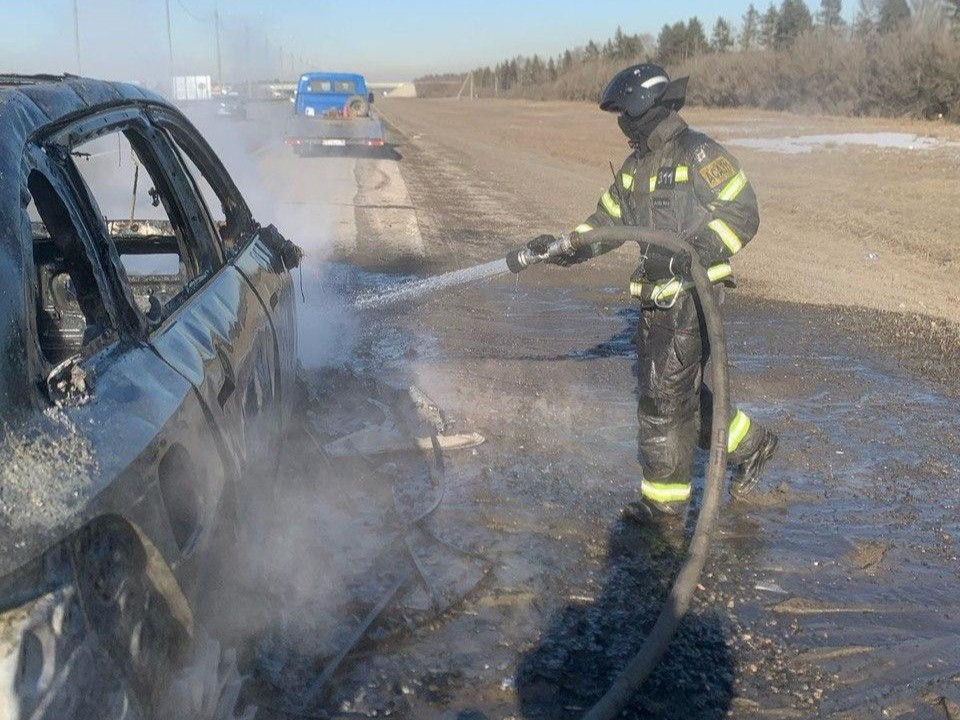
[[637, 89]]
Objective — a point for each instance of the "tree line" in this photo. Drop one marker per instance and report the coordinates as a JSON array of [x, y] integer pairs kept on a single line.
[[777, 28], [520, 71]]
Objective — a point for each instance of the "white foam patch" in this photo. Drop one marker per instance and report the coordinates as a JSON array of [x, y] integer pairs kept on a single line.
[[808, 143]]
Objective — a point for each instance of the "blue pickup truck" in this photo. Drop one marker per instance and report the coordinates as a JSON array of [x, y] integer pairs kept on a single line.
[[333, 110]]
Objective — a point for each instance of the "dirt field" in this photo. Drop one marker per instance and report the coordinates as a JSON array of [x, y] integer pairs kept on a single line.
[[823, 214], [831, 592]]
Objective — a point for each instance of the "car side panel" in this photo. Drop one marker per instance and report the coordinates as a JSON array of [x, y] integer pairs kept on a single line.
[[259, 265], [103, 456], [222, 342]]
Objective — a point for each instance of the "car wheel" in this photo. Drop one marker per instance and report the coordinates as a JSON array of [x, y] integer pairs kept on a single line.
[[134, 604], [356, 107]]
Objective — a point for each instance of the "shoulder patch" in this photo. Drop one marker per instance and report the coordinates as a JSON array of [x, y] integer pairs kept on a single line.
[[718, 172]]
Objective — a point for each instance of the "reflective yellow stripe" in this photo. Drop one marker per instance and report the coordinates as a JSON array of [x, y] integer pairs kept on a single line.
[[610, 205], [739, 427], [733, 188], [727, 235], [719, 272], [665, 492], [661, 292], [653, 183], [627, 180], [683, 174], [716, 273], [584, 228]]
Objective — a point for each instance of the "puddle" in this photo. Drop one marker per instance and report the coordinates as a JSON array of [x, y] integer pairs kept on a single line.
[[804, 144]]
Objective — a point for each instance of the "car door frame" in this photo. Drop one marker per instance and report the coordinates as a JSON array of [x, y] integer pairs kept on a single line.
[[254, 252], [190, 225], [132, 396]]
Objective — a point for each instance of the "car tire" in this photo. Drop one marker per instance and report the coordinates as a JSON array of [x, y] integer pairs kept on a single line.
[[131, 599], [356, 107]]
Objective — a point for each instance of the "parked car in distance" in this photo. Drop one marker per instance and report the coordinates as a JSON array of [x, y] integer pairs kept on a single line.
[[232, 105]]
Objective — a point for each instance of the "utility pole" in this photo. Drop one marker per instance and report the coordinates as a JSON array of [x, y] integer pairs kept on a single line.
[[216, 26], [246, 55], [169, 40], [76, 35]]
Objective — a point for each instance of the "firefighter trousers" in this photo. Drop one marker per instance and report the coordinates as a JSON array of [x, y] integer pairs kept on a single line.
[[675, 406]]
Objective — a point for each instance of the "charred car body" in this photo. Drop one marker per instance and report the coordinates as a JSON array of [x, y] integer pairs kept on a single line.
[[147, 369]]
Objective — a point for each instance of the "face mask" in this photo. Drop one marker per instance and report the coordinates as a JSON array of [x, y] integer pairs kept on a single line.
[[639, 129]]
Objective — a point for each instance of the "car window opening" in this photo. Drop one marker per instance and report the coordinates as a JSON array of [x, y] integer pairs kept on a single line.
[[143, 221], [211, 200], [70, 309], [221, 206]]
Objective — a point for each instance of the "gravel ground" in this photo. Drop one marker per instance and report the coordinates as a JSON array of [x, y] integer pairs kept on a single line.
[[832, 590]]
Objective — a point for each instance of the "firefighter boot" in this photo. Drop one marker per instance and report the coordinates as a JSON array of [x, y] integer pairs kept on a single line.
[[748, 472], [662, 524]]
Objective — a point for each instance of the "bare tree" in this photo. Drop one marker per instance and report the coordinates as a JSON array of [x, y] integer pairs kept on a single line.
[[930, 14]]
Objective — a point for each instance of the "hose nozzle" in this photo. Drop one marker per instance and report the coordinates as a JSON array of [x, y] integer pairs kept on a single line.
[[523, 258]]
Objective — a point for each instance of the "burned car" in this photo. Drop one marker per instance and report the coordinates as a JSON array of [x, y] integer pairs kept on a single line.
[[148, 361]]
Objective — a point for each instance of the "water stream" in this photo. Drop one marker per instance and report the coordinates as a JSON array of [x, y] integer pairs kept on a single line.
[[420, 288]]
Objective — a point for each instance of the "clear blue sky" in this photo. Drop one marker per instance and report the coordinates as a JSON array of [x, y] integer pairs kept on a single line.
[[386, 39]]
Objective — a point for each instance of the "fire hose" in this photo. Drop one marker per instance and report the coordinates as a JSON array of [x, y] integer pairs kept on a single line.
[[642, 664]]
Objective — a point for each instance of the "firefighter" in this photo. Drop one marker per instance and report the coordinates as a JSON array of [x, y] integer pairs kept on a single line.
[[681, 181]]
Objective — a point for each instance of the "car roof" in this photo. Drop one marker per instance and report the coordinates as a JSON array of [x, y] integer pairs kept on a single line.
[[29, 103], [331, 76]]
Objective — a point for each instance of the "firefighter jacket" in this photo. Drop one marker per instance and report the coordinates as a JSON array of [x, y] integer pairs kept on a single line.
[[686, 183]]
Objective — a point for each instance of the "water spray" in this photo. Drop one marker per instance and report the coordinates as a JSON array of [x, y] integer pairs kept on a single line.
[[638, 669], [418, 288]]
